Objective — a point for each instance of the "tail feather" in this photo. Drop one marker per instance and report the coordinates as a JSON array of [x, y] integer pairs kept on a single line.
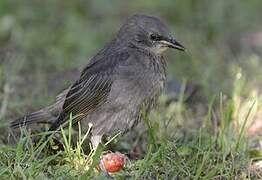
[[45, 115], [40, 116]]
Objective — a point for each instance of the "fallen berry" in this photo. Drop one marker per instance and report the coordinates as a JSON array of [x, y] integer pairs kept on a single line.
[[112, 162]]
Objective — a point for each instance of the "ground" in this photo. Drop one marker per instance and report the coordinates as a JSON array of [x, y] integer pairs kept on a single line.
[[207, 124]]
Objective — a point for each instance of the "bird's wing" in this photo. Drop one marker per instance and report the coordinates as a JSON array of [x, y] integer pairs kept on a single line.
[[92, 88]]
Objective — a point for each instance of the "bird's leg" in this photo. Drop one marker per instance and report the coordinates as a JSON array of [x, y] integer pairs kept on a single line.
[[95, 140]]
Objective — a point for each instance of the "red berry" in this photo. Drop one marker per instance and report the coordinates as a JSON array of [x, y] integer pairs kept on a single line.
[[112, 162]]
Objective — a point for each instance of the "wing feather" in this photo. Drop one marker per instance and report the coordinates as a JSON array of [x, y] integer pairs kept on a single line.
[[92, 88]]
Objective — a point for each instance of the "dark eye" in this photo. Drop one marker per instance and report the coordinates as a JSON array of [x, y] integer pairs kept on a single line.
[[153, 37]]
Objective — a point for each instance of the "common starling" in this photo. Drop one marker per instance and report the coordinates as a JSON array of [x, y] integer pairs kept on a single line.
[[124, 78]]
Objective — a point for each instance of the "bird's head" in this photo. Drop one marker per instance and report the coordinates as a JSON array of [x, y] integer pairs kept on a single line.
[[147, 32]]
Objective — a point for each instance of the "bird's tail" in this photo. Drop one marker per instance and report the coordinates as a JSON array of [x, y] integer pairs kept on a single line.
[[46, 115], [40, 116]]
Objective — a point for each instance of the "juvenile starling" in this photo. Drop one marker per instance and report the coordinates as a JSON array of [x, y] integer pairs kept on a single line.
[[123, 79]]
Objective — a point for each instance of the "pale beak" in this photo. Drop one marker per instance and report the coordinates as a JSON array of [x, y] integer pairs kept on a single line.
[[172, 43]]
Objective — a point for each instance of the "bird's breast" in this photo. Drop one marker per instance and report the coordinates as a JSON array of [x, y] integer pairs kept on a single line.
[[140, 79]]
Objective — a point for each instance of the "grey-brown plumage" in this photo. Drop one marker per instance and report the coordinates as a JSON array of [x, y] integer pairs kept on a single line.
[[125, 77]]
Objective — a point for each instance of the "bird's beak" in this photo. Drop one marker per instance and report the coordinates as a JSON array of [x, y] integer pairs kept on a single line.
[[172, 43]]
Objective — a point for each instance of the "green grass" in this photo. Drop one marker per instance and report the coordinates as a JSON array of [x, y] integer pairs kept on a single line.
[[197, 154]]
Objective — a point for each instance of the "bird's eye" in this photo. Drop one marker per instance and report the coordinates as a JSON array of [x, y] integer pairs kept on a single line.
[[153, 37]]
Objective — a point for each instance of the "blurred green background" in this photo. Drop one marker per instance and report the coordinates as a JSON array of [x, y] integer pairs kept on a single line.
[[43, 42]]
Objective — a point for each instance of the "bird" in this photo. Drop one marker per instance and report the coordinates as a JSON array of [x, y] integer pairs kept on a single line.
[[123, 80]]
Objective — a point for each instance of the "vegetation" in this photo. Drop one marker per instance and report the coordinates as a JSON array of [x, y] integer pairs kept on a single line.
[[213, 133]]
